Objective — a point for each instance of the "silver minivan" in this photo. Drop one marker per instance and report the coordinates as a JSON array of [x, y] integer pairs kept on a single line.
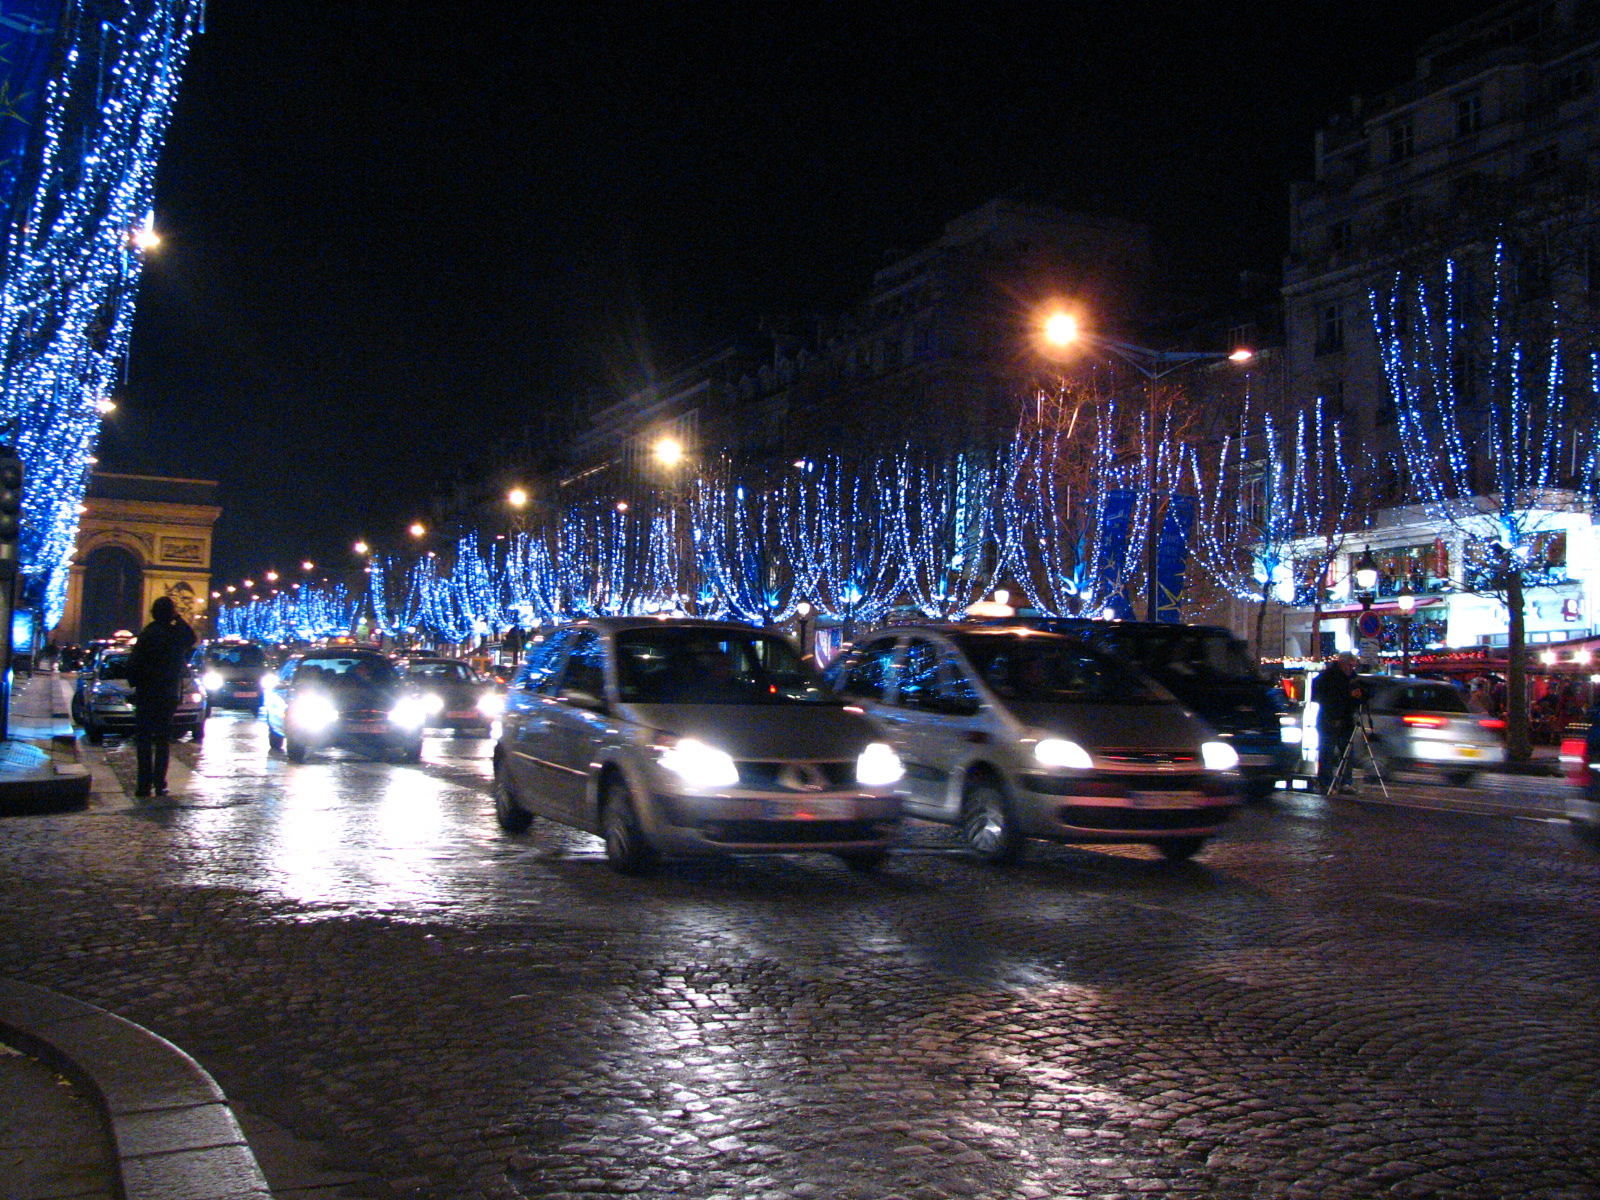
[[690, 737], [1012, 733]]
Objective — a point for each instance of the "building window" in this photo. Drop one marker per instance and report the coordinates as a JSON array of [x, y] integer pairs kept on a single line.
[[1330, 329], [1543, 161], [1570, 82], [1339, 237], [1400, 215], [1469, 113], [1401, 141]]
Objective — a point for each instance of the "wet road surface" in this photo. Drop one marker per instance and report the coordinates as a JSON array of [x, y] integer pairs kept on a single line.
[[1336, 1000]]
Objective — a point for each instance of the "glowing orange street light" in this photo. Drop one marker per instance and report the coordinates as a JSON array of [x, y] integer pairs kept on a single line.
[[668, 451], [418, 529], [1060, 328]]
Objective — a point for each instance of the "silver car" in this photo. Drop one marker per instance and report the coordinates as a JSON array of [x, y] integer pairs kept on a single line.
[[1013, 733], [1424, 725], [686, 737]]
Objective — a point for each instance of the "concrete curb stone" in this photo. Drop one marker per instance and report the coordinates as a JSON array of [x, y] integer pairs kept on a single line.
[[175, 1137]]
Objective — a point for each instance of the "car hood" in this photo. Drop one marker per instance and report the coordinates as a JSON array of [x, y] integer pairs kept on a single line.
[[763, 732], [1093, 726]]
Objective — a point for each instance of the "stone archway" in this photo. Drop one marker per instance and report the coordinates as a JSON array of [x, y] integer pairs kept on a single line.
[[113, 592]]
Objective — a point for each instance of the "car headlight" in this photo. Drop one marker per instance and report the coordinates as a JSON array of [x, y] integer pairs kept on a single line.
[[270, 679], [879, 765], [1219, 756], [491, 704], [1058, 752], [212, 680], [700, 765], [1289, 731], [432, 702], [409, 712], [313, 713]]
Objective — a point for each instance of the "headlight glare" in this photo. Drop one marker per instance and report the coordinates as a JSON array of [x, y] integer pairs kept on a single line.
[[270, 679], [491, 704], [409, 712], [432, 702], [700, 765], [879, 765], [212, 680], [1219, 756], [313, 713], [1058, 752]]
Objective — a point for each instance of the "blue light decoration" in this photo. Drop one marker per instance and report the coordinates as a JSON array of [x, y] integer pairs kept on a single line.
[[1497, 434], [76, 197]]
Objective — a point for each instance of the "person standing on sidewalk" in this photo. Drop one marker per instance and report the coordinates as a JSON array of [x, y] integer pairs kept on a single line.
[[1338, 695], [156, 670]]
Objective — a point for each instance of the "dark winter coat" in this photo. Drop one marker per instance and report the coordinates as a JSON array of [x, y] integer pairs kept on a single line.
[[160, 656]]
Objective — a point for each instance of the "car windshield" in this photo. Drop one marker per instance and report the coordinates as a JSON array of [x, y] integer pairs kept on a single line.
[[236, 656], [346, 671], [440, 672], [712, 666], [1184, 655], [112, 666], [1043, 669], [1431, 697]]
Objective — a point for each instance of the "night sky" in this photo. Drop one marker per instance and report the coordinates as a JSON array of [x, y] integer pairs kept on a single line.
[[393, 243]]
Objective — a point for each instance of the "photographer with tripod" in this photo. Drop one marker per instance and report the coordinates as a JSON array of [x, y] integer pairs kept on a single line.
[[1338, 697]]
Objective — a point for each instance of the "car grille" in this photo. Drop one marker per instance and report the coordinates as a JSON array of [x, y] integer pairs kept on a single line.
[[1111, 786], [794, 777], [1137, 820], [790, 832], [364, 714], [1145, 758]]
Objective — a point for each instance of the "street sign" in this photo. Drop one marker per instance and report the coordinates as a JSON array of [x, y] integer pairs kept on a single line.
[[1368, 626], [1367, 652]]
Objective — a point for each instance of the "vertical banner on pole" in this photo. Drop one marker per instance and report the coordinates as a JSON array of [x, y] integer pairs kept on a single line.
[[1116, 527], [1172, 557]]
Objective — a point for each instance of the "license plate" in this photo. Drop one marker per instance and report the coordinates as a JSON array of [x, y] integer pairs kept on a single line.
[[465, 714], [1255, 760], [1468, 751], [246, 693], [810, 810], [1164, 799], [368, 727]]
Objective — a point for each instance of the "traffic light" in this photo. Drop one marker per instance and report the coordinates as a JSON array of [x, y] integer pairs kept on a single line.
[[10, 510]]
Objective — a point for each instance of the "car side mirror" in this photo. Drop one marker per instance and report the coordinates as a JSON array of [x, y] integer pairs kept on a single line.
[[579, 698]]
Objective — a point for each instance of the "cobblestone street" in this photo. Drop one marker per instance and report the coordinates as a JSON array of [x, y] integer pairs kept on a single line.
[[1335, 1000]]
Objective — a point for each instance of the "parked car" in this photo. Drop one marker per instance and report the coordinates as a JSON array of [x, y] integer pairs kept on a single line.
[[347, 696], [1580, 755], [232, 670], [102, 700], [690, 737], [1425, 725], [454, 696], [1011, 733], [1213, 673]]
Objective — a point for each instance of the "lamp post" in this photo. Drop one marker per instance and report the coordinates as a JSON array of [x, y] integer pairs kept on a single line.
[[669, 454], [1407, 602], [1061, 331]]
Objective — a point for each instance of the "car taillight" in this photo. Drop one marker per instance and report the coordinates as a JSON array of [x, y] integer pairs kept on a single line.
[[1492, 723], [1426, 722]]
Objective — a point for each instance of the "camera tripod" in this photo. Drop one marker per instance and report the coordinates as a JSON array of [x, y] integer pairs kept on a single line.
[[1345, 771]]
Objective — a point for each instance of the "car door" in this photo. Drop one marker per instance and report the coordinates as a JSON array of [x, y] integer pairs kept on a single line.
[[938, 723], [525, 734], [577, 724]]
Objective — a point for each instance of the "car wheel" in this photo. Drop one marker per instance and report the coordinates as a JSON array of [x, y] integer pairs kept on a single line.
[[274, 739], [865, 861], [987, 826], [1180, 849], [627, 849], [1259, 791], [508, 810], [77, 713], [95, 737], [1459, 778], [294, 751], [197, 731]]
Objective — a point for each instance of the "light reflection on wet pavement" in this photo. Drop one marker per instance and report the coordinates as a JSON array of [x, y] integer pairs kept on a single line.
[[1336, 1002]]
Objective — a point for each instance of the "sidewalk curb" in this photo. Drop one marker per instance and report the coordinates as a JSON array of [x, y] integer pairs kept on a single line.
[[172, 1130]]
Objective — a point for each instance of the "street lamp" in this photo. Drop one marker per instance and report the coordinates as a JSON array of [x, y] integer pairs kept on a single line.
[[418, 529], [1367, 577], [668, 451], [1406, 602], [361, 547], [1060, 331]]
